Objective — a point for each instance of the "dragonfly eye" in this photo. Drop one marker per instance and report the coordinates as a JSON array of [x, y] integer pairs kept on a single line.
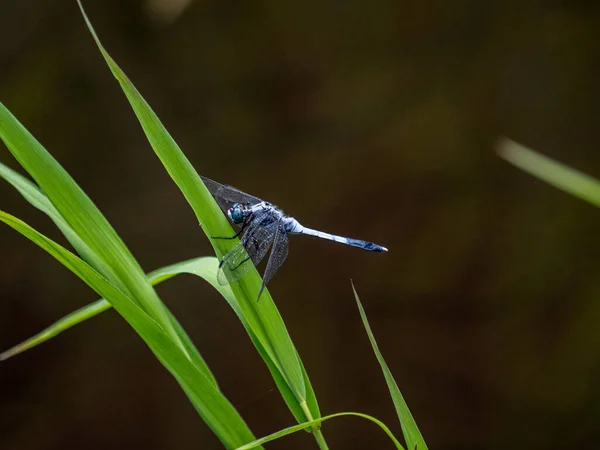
[[236, 213]]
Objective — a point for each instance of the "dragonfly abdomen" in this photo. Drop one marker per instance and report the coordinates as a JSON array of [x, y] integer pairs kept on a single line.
[[365, 245]]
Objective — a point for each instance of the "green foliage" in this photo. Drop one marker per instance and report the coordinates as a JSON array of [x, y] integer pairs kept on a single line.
[[316, 422], [106, 265], [411, 432], [203, 267], [111, 271], [268, 331], [558, 175]]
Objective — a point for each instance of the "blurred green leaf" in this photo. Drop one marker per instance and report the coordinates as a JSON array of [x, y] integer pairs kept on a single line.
[[412, 435], [262, 319], [216, 410], [557, 174], [316, 422]]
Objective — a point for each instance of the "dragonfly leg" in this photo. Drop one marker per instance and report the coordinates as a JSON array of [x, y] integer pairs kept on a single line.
[[238, 232]]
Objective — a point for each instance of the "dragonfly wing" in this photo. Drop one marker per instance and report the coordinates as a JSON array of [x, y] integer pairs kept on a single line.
[[278, 255], [234, 265], [247, 253], [227, 195]]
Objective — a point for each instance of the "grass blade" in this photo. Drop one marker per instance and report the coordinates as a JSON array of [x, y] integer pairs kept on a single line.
[[412, 435], [557, 174], [317, 422], [196, 267], [70, 320], [38, 199], [204, 267], [262, 318], [214, 408], [117, 264]]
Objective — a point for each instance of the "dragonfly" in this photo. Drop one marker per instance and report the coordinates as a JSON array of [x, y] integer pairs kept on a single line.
[[262, 226]]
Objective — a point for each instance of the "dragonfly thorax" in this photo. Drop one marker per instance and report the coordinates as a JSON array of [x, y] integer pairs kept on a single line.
[[292, 225]]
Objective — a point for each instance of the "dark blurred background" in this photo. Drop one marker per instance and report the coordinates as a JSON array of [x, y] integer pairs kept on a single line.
[[375, 120]]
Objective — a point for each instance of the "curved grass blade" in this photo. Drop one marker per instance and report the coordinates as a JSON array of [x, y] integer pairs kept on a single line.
[[412, 435], [70, 320], [208, 272], [196, 267], [117, 264], [317, 422], [261, 317], [212, 406], [37, 199], [203, 267], [557, 174]]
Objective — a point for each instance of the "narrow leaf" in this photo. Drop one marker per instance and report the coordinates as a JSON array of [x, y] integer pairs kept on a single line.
[[57, 327], [214, 408], [200, 267], [411, 432], [79, 212], [557, 174], [261, 317], [317, 422], [203, 267], [38, 199]]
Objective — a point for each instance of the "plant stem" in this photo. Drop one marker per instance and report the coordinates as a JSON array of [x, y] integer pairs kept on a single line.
[[316, 430], [320, 438]]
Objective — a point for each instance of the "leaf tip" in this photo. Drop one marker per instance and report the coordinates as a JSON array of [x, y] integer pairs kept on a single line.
[[353, 287], [506, 148], [9, 353], [501, 143]]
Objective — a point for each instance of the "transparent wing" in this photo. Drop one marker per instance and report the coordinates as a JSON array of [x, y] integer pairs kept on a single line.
[[278, 254], [249, 252], [234, 265], [227, 195]]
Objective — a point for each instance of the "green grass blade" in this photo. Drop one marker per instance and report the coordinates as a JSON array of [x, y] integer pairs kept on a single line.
[[261, 317], [36, 198], [214, 408], [412, 435], [79, 212], [203, 267], [313, 423], [57, 327], [208, 273], [557, 174]]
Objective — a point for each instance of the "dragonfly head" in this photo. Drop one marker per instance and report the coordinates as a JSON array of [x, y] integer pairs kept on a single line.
[[236, 213]]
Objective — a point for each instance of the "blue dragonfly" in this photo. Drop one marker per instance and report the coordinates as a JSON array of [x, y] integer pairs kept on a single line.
[[262, 226]]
